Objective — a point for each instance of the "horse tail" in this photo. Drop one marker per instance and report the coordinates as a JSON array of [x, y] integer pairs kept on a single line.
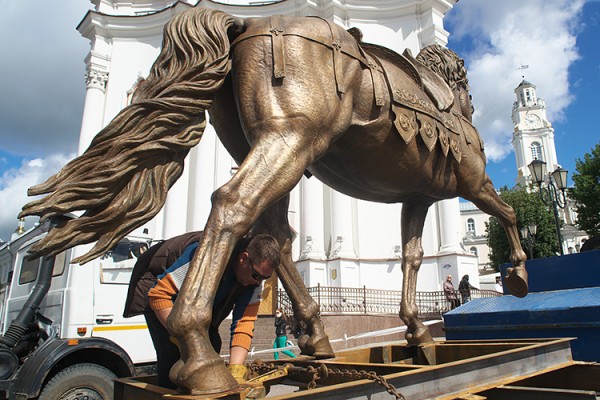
[[121, 181]]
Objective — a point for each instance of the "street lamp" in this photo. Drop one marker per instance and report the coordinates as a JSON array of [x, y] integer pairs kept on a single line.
[[553, 192], [528, 235]]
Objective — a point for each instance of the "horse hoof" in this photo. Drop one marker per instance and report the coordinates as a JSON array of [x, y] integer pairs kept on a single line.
[[318, 347], [203, 377], [516, 281], [418, 336]]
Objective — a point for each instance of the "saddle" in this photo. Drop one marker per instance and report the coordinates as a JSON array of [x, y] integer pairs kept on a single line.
[[430, 116], [435, 87]]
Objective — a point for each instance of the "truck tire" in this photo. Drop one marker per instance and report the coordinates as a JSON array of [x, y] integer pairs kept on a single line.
[[80, 382]]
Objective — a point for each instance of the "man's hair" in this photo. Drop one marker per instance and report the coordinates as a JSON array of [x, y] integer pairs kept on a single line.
[[264, 247]]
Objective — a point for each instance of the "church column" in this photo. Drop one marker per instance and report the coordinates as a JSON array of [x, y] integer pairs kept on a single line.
[[93, 109], [175, 209], [202, 167], [342, 239], [449, 214], [312, 217]]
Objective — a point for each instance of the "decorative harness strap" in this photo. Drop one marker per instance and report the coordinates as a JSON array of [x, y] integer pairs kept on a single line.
[[380, 86], [276, 30], [337, 60]]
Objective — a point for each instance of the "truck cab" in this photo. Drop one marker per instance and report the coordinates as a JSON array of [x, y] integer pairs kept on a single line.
[[78, 340]]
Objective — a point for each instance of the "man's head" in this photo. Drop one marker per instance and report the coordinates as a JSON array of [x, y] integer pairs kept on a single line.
[[258, 260], [449, 278]]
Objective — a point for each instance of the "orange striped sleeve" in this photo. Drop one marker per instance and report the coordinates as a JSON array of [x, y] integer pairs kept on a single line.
[[161, 295], [244, 330]]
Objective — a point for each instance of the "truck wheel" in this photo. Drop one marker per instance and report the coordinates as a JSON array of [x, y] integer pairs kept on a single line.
[[80, 382]]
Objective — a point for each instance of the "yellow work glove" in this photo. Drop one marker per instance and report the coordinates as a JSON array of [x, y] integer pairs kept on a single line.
[[239, 372]]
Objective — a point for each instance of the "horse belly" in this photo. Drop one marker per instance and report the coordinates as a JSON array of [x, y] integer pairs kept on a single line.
[[383, 168]]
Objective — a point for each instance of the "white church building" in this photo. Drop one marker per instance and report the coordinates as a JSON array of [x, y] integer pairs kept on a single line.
[[341, 241]]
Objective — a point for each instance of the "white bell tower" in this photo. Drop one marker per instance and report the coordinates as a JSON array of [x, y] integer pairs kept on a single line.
[[533, 136]]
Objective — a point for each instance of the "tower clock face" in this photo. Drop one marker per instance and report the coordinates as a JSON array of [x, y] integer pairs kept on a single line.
[[533, 121]]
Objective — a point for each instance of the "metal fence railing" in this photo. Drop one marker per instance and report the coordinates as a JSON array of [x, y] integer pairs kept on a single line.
[[340, 300]]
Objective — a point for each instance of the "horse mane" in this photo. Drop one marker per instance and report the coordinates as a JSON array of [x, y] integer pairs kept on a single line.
[[121, 181], [445, 63]]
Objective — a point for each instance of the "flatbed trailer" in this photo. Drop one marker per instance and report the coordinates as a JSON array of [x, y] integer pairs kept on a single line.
[[475, 370]]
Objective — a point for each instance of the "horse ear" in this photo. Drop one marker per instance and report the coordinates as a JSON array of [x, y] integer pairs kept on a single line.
[[356, 34]]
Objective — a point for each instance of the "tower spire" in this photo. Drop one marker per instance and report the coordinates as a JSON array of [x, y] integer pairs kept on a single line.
[[522, 68]]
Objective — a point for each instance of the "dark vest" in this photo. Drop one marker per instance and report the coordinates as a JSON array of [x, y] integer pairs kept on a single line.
[[152, 263]]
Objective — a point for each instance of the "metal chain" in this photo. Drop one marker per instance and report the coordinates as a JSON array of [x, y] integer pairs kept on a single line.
[[259, 366], [315, 375]]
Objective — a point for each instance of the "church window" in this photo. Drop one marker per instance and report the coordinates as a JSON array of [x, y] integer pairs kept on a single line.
[[536, 151], [471, 226], [473, 250]]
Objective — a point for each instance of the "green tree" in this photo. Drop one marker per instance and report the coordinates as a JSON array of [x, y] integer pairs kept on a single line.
[[586, 192], [530, 210]]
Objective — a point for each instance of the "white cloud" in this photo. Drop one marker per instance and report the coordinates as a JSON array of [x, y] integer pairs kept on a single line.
[[504, 35], [13, 189], [41, 97], [42, 70]]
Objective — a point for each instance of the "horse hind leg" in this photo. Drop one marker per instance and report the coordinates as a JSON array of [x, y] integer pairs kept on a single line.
[[488, 201], [315, 341], [413, 218]]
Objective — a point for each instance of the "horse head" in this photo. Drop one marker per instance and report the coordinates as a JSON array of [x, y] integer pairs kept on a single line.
[[451, 68]]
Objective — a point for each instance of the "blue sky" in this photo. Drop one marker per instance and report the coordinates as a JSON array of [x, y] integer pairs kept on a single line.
[[42, 87], [558, 40]]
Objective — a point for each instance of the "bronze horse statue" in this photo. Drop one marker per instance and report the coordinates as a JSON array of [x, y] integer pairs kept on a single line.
[[287, 96]]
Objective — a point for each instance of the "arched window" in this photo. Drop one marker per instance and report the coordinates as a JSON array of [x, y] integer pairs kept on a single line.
[[536, 151], [473, 250], [471, 226]]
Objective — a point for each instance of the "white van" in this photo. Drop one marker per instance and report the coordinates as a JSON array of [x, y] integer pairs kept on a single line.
[[63, 333]]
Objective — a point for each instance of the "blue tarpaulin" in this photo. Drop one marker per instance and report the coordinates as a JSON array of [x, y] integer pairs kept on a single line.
[[551, 314]]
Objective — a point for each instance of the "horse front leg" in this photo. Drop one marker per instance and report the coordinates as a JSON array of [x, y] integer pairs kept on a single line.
[[200, 369], [270, 171], [315, 341], [413, 219]]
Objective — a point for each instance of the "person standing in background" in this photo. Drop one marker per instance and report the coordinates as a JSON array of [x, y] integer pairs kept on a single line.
[[464, 287], [450, 293], [281, 335]]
